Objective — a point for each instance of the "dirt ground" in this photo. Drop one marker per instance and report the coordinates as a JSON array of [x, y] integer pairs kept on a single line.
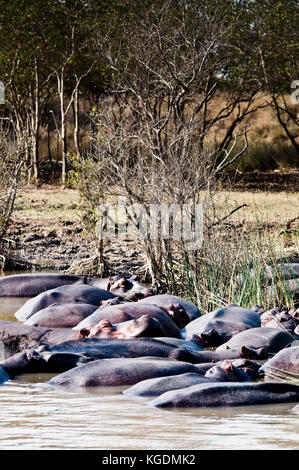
[[47, 231]]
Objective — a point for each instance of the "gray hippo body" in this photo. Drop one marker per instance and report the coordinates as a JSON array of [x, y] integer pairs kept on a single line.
[[158, 385], [228, 394], [263, 341], [217, 373], [215, 328], [18, 336], [32, 284], [62, 295], [119, 372], [284, 365], [100, 348], [121, 312], [61, 315], [208, 356]]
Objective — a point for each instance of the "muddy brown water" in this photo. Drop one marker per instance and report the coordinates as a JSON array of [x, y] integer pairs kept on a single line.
[[36, 416]]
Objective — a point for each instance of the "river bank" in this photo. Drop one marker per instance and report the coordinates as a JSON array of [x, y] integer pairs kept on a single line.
[[47, 232]]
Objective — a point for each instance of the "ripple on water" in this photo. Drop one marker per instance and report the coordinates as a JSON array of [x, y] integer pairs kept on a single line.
[[36, 416]]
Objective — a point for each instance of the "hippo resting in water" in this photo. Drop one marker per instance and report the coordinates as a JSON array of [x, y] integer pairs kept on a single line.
[[129, 310], [284, 365], [61, 316], [19, 336], [224, 372], [30, 285], [262, 341], [116, 372], [215, 328], [278, 318], [63, 295], [33, 361], [228, 394], [69, 354]]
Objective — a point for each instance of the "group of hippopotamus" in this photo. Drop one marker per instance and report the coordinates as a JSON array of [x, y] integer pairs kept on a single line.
[[116, 332]]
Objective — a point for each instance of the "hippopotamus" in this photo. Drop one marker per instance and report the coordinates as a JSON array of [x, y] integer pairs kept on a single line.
[[183, 311], [19, 336], [129, 310], [40, 360], [125, 285], [32, 284], [100, 348], [158, 385], [62, 295], [142, 326], [225, 371], [228, 394], [262, 341], [278, 318], [217, 327], [251, 368], [284, 365], [123, 371], [61, 315], [209, 356]]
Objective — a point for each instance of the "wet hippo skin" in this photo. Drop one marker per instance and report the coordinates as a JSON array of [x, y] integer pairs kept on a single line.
[[62, 295], [116, 372], [217, 327], [228, 394]]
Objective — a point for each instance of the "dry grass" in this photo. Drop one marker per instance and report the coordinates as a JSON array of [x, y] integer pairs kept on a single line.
[[55, 202]]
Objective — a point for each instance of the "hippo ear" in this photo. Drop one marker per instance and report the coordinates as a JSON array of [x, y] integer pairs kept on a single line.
[[83, 333]]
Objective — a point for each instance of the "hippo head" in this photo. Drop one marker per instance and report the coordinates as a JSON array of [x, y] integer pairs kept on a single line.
[[209, 339], [144, 326], [177, 313], [227, 372], [128, 286], [251, 368]]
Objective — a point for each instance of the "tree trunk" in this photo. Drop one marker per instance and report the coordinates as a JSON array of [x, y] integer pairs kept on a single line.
[[76, 121]]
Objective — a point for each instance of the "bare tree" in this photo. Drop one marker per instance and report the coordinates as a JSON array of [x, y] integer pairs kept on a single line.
[[163, 134], [12, 159]]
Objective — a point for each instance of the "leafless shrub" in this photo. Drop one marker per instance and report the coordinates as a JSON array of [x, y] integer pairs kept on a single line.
[[158, 134], [12, 159]]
